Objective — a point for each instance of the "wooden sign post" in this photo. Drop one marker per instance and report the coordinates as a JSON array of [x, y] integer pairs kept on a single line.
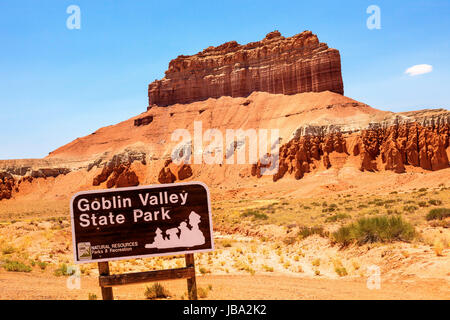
[[142, 222]]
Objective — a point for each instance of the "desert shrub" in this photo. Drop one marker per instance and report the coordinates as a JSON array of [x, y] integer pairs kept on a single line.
[[42, 265], [242, 266], [434, 202], [305, 232], [254, 214], [267, 268], [92, 296], [316, 263], [375, 229], [203, 270], [329, 209], [226, 243], [341, 271], [202, 292], [410, 209], [8, 250], [377, 202], [438, 214], [423, 204], [423, 189], [336, 217], [362, 206], [15, 266], [156, 291], [63, 270]]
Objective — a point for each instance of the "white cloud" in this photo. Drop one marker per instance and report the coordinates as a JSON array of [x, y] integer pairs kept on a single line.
[[419, 69]]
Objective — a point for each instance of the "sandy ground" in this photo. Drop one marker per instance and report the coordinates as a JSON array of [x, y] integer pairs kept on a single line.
[[30, 286]]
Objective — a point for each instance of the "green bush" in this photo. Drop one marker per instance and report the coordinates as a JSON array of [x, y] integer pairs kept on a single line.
[[341, 271], [422, 204], [438, 214], [435, 202], [16, 266], [305, 232], [156, 291], [375, 229], [63, 270], [410, 209], [254, 214], [329, 209]]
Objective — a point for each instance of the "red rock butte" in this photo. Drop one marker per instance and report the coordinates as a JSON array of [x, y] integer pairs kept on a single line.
[[275, 65]]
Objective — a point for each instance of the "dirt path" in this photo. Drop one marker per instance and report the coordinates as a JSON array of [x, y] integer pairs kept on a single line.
[[46, 286]]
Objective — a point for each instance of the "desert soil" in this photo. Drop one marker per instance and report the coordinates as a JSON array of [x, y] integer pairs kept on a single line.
[[228, 287]]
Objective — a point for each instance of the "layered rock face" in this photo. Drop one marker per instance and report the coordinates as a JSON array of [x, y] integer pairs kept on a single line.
[[275, 64], [12, 176]]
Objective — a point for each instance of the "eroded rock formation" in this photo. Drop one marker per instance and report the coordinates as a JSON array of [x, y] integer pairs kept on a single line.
[[117, 172], [404, 144], [275, 64], [172, 172], [396, 146], [7, 185]]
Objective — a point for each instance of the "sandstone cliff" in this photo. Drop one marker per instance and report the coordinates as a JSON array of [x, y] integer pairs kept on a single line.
[[275, 64]]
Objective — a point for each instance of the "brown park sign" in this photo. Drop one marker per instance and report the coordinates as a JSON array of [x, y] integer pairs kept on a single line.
[[141, 222]]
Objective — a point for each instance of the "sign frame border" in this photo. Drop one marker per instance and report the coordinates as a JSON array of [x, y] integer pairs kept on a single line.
[[152, 186]]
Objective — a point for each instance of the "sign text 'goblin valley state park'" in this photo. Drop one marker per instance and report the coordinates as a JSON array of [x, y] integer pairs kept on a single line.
[[141, 222]]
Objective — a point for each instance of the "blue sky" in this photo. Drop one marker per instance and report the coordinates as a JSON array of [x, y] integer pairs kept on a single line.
[[58, 84]]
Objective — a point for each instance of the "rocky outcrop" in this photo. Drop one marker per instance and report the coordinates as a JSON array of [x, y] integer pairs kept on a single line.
[[117, 172], [298, 155], [12, 177], [49, 172], [184, 172], [7, 185], [143, 121], [172, 172], [403, 143], [166, 176], [275, 64]]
